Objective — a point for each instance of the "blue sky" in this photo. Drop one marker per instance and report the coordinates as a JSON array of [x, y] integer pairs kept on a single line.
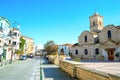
[[59, 20]]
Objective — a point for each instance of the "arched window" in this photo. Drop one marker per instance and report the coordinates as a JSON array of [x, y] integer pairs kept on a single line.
[[85, 38], [76, 52], [86, 51], [109, 34], [9, 41], [96, 51], [93, 23]]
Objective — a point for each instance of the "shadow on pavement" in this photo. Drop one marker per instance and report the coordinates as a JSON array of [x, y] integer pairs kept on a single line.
[[55, 74]]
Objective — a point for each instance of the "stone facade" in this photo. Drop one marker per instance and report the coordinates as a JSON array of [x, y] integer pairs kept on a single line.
[[100, 43]]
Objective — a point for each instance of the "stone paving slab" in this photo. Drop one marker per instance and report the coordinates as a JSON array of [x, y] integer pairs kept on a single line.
[[106, 67]]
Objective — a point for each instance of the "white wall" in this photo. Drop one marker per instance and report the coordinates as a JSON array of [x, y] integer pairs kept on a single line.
[[105, 54]]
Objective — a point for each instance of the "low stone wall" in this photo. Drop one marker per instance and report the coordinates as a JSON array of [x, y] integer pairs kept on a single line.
[[55, 59], [75, 69], [51, 59], [90, 74], [87, 74], [69, 67]]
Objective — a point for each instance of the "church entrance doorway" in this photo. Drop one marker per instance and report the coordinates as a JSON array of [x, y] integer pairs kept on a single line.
[[110, 53]]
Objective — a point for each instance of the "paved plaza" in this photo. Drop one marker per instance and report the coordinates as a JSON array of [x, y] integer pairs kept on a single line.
[[105, 67]]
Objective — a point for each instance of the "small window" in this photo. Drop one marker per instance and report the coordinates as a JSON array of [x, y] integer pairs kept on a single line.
[[14, 43], [85, 38], [15, 34], [9, 41], [86, 51], [76, 52], [5, 44], [93, 23], [109, 34], [96, 51]]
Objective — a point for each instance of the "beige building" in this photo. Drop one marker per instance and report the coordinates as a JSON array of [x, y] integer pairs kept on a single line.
[[29, 45], [100, 43]]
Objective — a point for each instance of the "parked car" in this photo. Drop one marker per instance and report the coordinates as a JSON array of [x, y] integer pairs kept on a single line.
[[31, 55], [23, 57], [37, 54]]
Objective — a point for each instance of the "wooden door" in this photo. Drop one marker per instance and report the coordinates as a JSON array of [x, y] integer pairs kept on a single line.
[[110, 54]]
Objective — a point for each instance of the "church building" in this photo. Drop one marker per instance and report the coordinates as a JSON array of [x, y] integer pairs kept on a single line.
[[100, 43]]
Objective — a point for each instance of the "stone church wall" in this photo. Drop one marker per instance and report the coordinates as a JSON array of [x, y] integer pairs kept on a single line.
[[103, 36], [90, 39]]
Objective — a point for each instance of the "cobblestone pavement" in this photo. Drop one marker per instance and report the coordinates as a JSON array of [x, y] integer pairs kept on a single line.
[[52, 72], [107, 67]]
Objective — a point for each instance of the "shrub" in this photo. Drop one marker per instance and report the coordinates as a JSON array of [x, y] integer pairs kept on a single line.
[[117, 54], [76, 59]]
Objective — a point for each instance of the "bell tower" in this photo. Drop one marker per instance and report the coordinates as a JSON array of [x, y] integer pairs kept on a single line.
[[96, 22]]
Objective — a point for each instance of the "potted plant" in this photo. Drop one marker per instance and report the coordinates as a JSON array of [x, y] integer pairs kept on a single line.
[[117, 54]]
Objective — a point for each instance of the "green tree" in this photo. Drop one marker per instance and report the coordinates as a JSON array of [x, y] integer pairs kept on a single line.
[[21, 51], [18, 51], [51, 47], [22, 43]]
